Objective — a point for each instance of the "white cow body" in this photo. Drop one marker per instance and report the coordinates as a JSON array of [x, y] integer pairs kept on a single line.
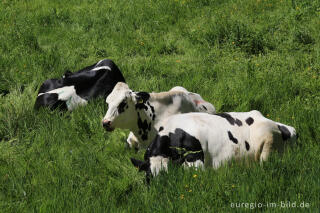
[[220, 137], [69, 95], [141, 112]]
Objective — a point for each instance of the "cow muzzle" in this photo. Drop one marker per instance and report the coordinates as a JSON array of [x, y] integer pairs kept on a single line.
[[107, 125]]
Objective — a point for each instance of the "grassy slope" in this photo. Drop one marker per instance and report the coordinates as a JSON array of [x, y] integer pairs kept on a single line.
[[239, 55]]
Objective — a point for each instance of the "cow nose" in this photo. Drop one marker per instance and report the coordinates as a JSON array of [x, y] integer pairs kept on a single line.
[[106, 123]]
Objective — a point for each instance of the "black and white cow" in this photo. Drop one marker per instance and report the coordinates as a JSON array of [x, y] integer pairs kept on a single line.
[[75, 89], [198, 139], [141, 112]]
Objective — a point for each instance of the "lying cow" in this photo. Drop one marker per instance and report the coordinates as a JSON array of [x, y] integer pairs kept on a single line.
[[198, 139], [75, 89], [141, 112]]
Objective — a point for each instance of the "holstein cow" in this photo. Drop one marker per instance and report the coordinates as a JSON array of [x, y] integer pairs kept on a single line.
[[141, 112], [198, 139], [75, 89]]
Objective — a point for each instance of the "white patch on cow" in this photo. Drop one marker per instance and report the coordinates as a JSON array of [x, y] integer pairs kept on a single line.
[[132, 140], [69, 95], [196, 164], [157, 164], [100, 68]]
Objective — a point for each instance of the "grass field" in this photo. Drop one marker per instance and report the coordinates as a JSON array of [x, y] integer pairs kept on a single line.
[[239, 55]]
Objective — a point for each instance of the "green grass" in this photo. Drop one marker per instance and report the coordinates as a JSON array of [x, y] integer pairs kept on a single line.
[[239, 55]]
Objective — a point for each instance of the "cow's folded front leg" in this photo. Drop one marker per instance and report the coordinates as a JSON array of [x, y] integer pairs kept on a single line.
[[132, 141]]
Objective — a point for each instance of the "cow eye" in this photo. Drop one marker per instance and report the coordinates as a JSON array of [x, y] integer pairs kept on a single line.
[[122, 106]]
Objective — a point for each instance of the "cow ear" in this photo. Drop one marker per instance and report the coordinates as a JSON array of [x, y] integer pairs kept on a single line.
[[142, 166], [142, 97], [128, 94], [67, 74]]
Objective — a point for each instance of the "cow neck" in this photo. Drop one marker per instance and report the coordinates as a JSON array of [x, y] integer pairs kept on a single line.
[[145, 122]]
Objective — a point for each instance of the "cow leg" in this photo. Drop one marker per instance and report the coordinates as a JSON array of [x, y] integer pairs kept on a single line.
[[132, 141], [265, 147]]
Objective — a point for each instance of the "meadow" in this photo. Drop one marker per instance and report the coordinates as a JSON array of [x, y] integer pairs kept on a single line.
[[239, 55]]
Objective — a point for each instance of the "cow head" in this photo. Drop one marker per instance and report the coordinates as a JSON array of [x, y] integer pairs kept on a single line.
[[122, 106]]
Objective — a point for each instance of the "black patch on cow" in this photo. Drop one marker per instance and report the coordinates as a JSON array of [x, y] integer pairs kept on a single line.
[[247, 145], [285, 133], [184, 147], [144, 128], [141, 106], [249, 121], [233, 139], [179, 146], [160, 129], [145, 106], [230, 119], [238, 122], [144, 96], [122, 106], [152, 110], [204, 107], [151, 107]]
